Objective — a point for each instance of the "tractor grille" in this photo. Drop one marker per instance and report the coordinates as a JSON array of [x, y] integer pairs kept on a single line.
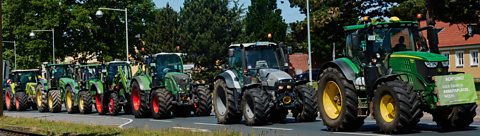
[[428, 73], [181, 79]]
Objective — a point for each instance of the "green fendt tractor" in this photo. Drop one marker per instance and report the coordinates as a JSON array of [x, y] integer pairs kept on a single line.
[[115, 95], [386, 71], [256, 85], [163, 88], [57, 87], [20, 90], [89, 79]]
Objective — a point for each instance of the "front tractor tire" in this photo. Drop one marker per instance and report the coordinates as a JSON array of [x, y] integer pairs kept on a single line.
[[456, 117], [338, 102], [54, 101], [225, 104], [203, 107], [161, 104], [396, 107], [139, 101], [69, 101], [255, 107], [41, 98], [21, 101], [114, 104], [9, 101], [308, 111], [101, 104], [85, 102]]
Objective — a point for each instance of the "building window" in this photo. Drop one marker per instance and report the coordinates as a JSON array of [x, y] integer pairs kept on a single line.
[[459, 58], [446, 54], [473, 57]]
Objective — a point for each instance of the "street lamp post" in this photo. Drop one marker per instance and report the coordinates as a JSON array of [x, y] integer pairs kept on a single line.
[[309, 45], [99, 14], [14, 52], [32, 34]]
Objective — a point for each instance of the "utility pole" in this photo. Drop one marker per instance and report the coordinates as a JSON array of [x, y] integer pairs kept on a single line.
[[1, 58]]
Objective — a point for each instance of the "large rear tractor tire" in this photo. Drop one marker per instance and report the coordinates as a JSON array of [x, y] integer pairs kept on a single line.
[[54, 101], [21, 101], [308, 111], [225, 104], [85, 102], [101, 104], [457, 117], [139, 101], [114, 104], [69, 101], [203, 107], [161, 104], [41, 98], [9, 101], [338, 102], [255, 107], [396, 107]]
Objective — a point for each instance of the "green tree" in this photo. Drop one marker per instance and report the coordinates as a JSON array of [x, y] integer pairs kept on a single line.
[[162, 35], [264, 17], [207, 28]]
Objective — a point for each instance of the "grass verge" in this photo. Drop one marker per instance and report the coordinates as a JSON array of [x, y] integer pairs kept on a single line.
[[44, 127]]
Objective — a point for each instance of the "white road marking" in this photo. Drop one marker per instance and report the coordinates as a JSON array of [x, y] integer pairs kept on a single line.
[[273, 128], [192, 129], [166, 121], [208, 124], [362, 134], [129, 121]]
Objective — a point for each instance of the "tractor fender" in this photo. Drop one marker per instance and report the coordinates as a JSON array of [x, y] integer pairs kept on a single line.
[[230, 79], [252, 85], [350, 72], [143, 82], [385, 78], [98, 86]]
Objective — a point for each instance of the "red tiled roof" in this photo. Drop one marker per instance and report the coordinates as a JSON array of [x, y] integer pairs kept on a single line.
[[299, 61], [452, 34]]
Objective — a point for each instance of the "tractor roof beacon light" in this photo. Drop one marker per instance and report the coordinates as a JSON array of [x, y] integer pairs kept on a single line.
[[419, 16], [269, 36], [365, 19]]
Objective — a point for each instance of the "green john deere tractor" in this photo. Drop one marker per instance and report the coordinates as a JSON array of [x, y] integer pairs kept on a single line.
[[164, 88], [20, 90], [56, 87], [115, 93], [88, 77], [385, 71], [256, 86]]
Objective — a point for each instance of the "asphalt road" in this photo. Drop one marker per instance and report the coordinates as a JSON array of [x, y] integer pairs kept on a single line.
[[208, 124]]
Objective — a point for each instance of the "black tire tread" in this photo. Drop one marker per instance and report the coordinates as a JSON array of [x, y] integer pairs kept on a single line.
[[232, 114], [43, 106], [261, 106], [143, 110], [116, 104], [56, 101], [87, 99], [164, 99], [23, 101], [204, 104], [308, 111]]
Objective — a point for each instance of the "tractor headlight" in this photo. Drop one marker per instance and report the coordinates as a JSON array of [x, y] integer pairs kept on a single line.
[[289, 87], [431, 64], [445, 63], [280, 87]]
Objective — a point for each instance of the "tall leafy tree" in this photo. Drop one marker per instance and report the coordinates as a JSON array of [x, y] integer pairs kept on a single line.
[[207, 28], [163, 35], [264, 17]]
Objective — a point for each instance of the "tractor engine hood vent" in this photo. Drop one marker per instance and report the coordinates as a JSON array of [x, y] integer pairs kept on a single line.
[[271, 76]]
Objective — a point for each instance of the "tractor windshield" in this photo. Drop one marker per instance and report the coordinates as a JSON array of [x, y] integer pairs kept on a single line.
[[169, 63], [90, 73], [393, 40], [59, 71], [25, 76], [262, 57], [113, 69]]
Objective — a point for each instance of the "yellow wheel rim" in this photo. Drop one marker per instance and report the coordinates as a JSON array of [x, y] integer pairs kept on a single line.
[[50, 102], [39, 99], [80, 106], [387, 108], [332, 100], [69, 100]]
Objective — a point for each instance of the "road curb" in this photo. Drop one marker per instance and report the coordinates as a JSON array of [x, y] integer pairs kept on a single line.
[[16, 130]]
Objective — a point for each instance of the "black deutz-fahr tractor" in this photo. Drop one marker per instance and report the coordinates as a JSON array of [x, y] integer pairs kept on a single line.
[[256, 86]]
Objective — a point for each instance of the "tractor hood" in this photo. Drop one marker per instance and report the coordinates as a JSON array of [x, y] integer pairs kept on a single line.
[[272, 76], [180, 80], [424, 56]]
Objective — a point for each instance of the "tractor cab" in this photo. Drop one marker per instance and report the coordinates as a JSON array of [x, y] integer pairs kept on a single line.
[[22, 78], [84, 73], [167, 62], [57, 71], [115, 69]]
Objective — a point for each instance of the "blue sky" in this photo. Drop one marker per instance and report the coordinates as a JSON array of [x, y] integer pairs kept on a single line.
[[289, 14]]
